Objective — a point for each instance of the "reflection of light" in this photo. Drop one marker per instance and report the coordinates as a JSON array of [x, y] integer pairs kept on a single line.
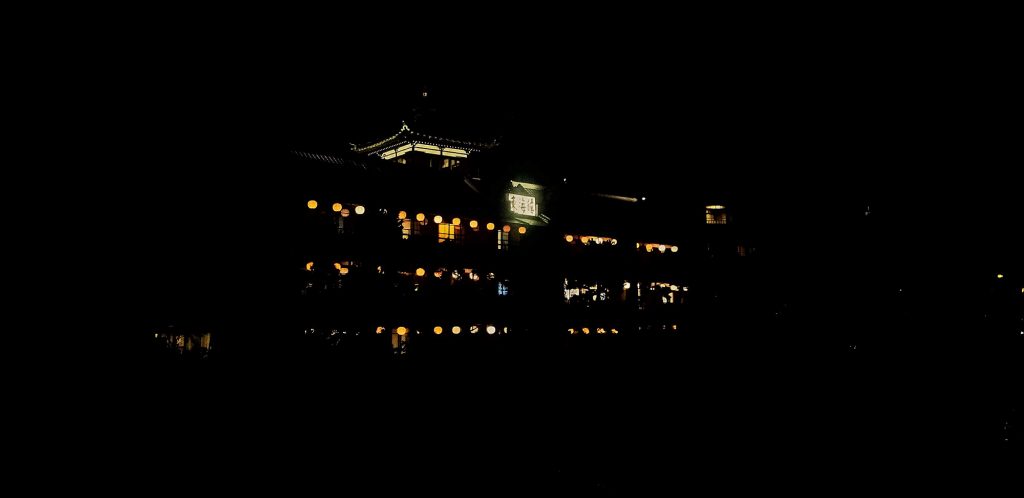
[[456, 330], [311, 204], [490, 226], [420, 272], [401, 214], [402, 330], [438, 219], [438, 330], [473, 224], [491, 330], [336, 207], [456, 221], [568, 238], [522, 230], [360, 209], [309, 266]]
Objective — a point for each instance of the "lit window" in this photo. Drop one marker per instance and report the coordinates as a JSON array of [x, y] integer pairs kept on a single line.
[[715, 214], [406, 229], [503, 240]]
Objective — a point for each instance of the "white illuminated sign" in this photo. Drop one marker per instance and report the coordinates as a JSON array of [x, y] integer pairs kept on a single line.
[[523, 204]]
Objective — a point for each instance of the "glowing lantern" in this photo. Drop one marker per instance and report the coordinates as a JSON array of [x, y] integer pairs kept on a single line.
[[675, 248], [473, 329], [585, 239], [420, 272], [1000, 275], [309, 266], [360, 209], [491, 330], [568, 238], [490, 226], [336, 207], [473, 224], [343, 271], [586, 331], [380, 330], [661, 248], [438, 273], [438, 330], [456, 330], [522, 230], [506, 229], [401, 214], [337, 266], [650, 247], [456, 221], [438, 219], [614, 241], [344, 213], [420, 217], [311, 204], [402, 330], [615, 331]]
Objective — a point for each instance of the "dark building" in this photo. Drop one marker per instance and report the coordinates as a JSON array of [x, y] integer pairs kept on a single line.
[[420, 242]]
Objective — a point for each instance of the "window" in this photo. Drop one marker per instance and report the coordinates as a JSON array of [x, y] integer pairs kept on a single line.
[[715, 214], [502, 240], [449, 232], [406, 229]]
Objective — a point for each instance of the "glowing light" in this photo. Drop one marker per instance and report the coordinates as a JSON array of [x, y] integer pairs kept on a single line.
[[336, 207], [615, 331], [438, 273], [473, 329], [491, 330], [380, 330], [490, 226], [402, 330], [401, 214], [522, 230], [506, 229], [360, 209], [568, 238], [661, 248], [337, 266], [586, 331], [585, 239], [473, 224], [438, 219], [456, 221], [420, 272], [456, 330], [343, 271], [715, 206], [311, 204], [675, 248], [650, 247], [438, 330], [614, 242], [600, 330], [999, 275], [420, 217], [625, 285], [309, 266]]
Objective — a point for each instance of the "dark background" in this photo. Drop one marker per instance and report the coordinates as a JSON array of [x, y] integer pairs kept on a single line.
[[912, 116]]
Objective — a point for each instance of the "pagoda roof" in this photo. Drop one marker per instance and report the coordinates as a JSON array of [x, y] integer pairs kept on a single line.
[[406, 135]]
